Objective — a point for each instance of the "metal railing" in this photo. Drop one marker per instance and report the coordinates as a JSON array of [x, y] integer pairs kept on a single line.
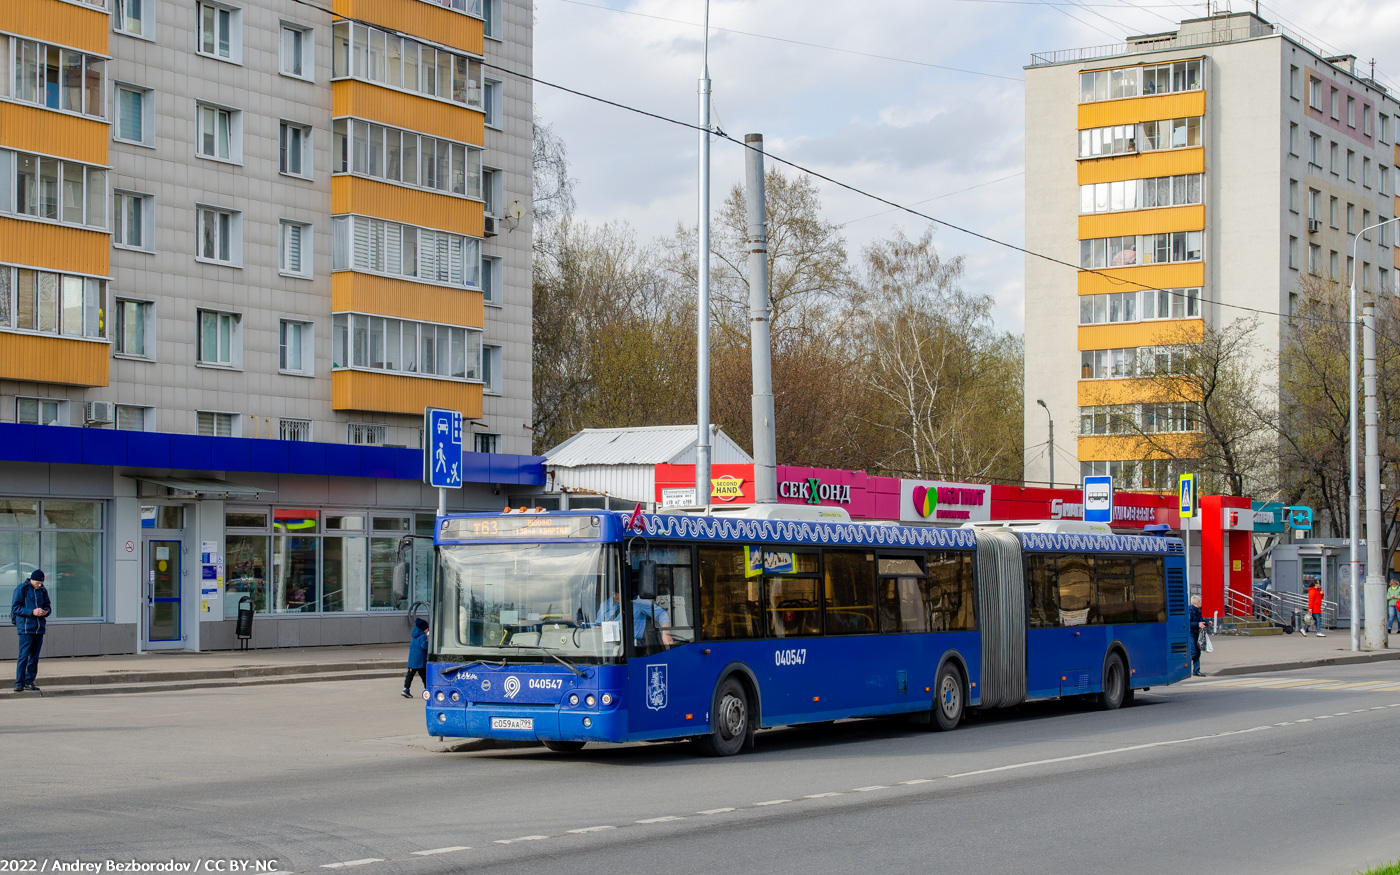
[[1288, 609], [1167, 42]]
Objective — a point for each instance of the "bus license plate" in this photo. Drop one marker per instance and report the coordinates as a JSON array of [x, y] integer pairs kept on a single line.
[[527, 723]]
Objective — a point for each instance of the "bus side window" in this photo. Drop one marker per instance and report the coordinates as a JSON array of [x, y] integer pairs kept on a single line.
[[1040, 581], [1113, 581], [670, 615], [850, 593], [1150, 587], [949, 591], [729, 598], [1075, 584]]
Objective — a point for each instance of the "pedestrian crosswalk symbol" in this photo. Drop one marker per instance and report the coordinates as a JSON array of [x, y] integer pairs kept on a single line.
[[1186, 492]]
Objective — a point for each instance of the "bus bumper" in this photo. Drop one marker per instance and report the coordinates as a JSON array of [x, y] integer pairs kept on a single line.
[[553, 724]]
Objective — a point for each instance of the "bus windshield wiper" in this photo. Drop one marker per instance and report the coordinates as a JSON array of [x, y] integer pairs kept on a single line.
[[457, 669], [551, 654]]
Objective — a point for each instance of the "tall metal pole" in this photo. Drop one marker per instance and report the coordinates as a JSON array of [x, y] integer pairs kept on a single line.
[[1377, 623], [765, 452], [1041, 402], [702, 348], [1354, 508]]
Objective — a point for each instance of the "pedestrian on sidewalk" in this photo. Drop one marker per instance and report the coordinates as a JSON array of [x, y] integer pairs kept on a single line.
[[417, 656], [1197, 623], [1392, 602], [29, 610], [1315, 606]]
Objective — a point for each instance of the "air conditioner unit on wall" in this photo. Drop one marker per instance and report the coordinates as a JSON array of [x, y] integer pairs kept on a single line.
[[97, 412], [490, 226], [1314, 225]]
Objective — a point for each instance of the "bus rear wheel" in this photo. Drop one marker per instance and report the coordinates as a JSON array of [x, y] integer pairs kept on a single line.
[[1115, 683], [729, 721], [564, 746], [948, 706]]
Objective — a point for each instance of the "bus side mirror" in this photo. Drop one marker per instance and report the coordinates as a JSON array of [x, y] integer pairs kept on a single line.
[[646, 580]]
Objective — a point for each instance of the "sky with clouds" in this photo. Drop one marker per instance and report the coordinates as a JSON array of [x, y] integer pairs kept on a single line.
[[919, 101]]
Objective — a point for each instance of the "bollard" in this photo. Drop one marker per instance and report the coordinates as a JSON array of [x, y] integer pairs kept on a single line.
[[243, 627]]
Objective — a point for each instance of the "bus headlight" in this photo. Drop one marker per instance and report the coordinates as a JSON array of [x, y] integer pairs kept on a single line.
[[590, 700], [427, 695], [440, 696], [587, 722], [607, 698], [456, 696], [573, 698], [442, 718]]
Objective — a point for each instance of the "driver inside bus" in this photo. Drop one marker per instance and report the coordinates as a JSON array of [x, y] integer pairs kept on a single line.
[[643, 610]]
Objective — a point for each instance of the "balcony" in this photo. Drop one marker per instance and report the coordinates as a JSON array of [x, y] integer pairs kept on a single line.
[[378, 392], [44, 358]]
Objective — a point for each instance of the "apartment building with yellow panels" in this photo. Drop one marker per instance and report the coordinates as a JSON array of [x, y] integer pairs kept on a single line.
[[1193, 177], [243, 245]]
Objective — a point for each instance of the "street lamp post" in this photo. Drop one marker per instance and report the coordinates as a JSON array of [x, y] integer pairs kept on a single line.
[[1041, 402], [1354, 508]]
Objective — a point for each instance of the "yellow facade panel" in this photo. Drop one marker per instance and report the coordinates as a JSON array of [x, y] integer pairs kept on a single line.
[[56, 247], [1167, 332], [63, 24], [404, 299], [1128, 110], [1111, 448], [415, 18], [35, 129], [408, 111], [370, 197], [1184, 275], [1166, 162], [1100, 393], [1156, 221], [392, 393], [40, 358]]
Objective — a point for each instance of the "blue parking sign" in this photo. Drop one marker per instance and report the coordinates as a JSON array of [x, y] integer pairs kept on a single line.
[[442, 450]]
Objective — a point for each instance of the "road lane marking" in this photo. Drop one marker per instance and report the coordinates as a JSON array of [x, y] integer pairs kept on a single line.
[[868, 789], [450, 850], [715, 811], [772, 802], [521, 839], [666, 819], [821, 795], [918, 781], [348, 863], [585, 829]]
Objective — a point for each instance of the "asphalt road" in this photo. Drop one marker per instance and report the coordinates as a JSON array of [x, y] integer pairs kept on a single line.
[[1291, 772]]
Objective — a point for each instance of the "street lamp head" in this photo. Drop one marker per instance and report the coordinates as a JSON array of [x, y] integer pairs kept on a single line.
[[1041, 402]]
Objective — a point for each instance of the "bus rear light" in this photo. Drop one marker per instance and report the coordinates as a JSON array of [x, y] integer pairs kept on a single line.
[[573, 698], [590, 701], [427, 695], [442, 718], [456, 696], [440, 696], [607, 698], [587, 722]]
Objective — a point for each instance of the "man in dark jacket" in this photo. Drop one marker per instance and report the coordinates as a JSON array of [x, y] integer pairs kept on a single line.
[[417, 656], [29, 610], [1197, 622]]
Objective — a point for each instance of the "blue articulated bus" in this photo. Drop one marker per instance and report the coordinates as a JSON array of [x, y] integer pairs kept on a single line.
[[592, 626]]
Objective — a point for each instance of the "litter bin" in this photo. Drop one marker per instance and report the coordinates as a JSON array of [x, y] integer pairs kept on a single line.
[[243, 626]]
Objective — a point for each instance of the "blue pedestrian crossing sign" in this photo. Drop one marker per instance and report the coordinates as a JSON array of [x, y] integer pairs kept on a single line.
[[1186, 494], [442, 448]]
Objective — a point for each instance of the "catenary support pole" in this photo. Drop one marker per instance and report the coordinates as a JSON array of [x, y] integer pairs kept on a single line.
[[765, 453], [702, 321], [1354, 502], [1376, 615]]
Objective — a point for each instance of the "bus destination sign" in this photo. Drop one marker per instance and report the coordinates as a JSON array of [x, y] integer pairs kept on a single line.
[[526, 527]]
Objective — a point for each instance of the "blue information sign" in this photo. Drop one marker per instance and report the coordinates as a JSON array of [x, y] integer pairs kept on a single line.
[[1299, 517], [442, 451], [1098, 499]]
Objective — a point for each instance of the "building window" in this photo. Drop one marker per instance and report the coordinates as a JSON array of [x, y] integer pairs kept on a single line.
[[220, 133], [57, 78], [1141, 249], [1293, 195], [41, 411], [296, 249], [491, 369], [377, 246], [1366, 120], [134, 108], [1293, 252], [1332, 212], [1315, 93], [1135, 81], [1315, 149], [394, 61], [1365, 223], [490, 191], [134, 329], [131, 220], [294, 429], [483, 442], [491, 103], [220, 32], [294, 149], [211, 424], [365, 434], [1351, 267], [367, 149], [471, 7], [1385, 128], [1384, 229], [1335, 105], [130, 16], [296, 52], [491, 18], [1334, 159], [1170, 134], [1366, 172], [1333, 265], [47, 188], [130, 418], [220, 339], [491, 279], [1351, 166], [1351, 218], [1294, 82], [220, 233], [380, 344], [1384, 281], [295, 353], [1314, 204], [1132, 194], [1293, 139], [65, 539], [1351, 112], [1314, 259], [52, 303], [1383, 180]]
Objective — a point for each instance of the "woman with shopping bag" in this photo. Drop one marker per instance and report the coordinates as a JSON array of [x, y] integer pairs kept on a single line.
[[1199, 639]]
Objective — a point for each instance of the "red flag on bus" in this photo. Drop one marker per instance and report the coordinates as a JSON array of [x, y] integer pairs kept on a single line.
[[635, 520]]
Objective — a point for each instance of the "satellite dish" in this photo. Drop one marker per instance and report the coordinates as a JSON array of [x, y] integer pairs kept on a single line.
[[516, 210]]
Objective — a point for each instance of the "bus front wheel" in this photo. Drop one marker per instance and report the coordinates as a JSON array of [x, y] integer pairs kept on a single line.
[[729, 721], [948, 707], [1115, 683]]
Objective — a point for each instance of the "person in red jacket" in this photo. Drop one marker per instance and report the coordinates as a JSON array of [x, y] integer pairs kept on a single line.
[[1315, 606]]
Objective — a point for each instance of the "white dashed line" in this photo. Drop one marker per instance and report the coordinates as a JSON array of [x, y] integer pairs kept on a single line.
[[918, 781], [1303, 720], [521, 839], [1396, 705], [715, 811], [817, 796], [772, 802], [1324, 717], [868, 789], [348, 863], [667, 819], [590, 829], [450, 850]]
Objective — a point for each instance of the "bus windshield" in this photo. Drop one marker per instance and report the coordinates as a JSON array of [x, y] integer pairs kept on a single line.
[[524, 602]]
